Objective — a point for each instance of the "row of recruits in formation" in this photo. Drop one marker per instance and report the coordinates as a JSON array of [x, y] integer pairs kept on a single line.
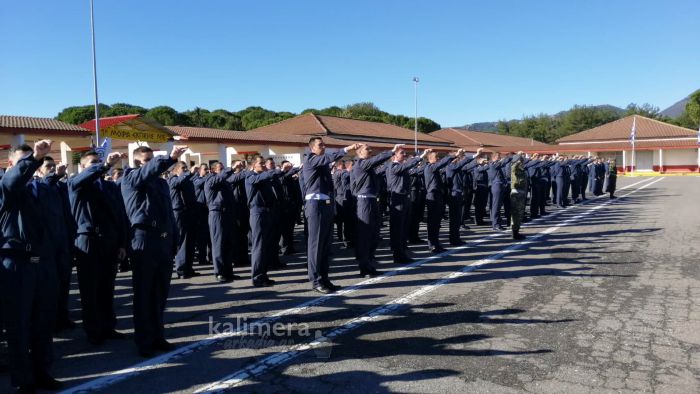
[[162, 215]]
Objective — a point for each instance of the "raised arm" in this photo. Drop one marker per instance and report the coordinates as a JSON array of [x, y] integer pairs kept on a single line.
[[254, 178], [375, 161], [402, 168]]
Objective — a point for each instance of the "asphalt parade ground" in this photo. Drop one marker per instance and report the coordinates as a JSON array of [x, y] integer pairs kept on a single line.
[[601, 297]]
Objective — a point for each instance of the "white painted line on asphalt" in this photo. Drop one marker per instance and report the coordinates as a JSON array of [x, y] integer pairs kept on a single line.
[[165, 358], [277, 359]]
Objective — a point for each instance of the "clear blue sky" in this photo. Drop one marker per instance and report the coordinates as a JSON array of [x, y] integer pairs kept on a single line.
[[477, 61]]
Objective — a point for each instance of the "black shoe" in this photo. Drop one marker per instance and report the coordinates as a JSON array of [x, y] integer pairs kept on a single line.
[[406, 260], [370, 274], [146, 352], [480, 223], [124, 267], [458, 242], [518, 236], [415, 241], [44, 381], [437, 250], [333, 287], [163, 345], [499, 228], [465, 227], [26, 389], [95, 341], [279, 265], [64, 324], [224, 279], [323, 289], [114, 334], [187, 275], [263, 283]]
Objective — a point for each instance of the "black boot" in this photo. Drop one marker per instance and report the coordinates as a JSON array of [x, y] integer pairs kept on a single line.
[[517, 235]]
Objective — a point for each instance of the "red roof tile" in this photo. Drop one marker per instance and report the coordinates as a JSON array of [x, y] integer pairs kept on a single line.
[[26, 124], [350, 129], [621, 129], [259, 137], [461, 137]]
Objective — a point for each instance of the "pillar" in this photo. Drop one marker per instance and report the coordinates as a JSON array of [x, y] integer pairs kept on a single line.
[[66, 158], [661, 160], [222, 153], [17, 139], [624, 161]]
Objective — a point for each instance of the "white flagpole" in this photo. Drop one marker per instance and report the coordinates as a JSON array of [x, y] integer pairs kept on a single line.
[[94, 76], [415, 124], [634, 137]]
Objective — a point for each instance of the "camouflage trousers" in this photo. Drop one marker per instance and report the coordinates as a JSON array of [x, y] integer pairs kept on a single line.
[[517, 209]]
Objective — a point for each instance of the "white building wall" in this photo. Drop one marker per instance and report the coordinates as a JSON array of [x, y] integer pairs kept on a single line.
[[680, 157]]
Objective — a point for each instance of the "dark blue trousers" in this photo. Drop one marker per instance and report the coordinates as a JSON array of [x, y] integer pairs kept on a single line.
[[562, 191], [367, 233], [398, 225], [481, 196], [319, 223], [417, 212], [261, 229], [456, 204], [535, 198], [496, 204], [64, 269], [28, 293], [203, 238], [185, 221], [152, 257], [435, 208], [222, 241], [96, 263]]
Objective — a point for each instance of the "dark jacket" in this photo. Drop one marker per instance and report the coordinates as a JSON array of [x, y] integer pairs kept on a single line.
[[22, 228], [97, 207]]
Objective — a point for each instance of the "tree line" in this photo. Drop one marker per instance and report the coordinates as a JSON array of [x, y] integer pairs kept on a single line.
[[246, 119], [549, 128]]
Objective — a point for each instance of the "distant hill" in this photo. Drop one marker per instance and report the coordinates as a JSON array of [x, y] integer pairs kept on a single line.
[[492, 127], [676, 109]]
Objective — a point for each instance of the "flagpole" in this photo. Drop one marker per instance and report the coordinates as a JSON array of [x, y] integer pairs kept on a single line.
[[94, 76], [634, 137]]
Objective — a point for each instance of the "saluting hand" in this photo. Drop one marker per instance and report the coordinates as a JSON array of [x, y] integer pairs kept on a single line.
[[60, 169], [113, 158], [425, 153], [397, 147], [178, 150], [42, 148]]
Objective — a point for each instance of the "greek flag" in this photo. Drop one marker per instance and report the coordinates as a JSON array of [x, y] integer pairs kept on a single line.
[[633, 134]]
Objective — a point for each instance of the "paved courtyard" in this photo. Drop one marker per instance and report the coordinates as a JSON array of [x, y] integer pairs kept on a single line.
[[602, 297]]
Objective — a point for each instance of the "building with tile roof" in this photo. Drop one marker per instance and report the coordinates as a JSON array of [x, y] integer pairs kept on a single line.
[[491, 142], [659, 146]]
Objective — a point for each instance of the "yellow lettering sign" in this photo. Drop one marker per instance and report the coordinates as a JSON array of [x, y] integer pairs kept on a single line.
[[136, 135]]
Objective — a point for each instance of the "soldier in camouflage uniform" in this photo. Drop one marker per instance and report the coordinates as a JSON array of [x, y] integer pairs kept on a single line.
[[518, 194]]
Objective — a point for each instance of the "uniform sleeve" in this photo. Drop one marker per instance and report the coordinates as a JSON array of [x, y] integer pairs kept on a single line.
[[148, 171], [16, 178], [88, 176]]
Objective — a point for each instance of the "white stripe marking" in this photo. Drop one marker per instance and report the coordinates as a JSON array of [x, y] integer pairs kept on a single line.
[[160, 361], [275, 360]]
